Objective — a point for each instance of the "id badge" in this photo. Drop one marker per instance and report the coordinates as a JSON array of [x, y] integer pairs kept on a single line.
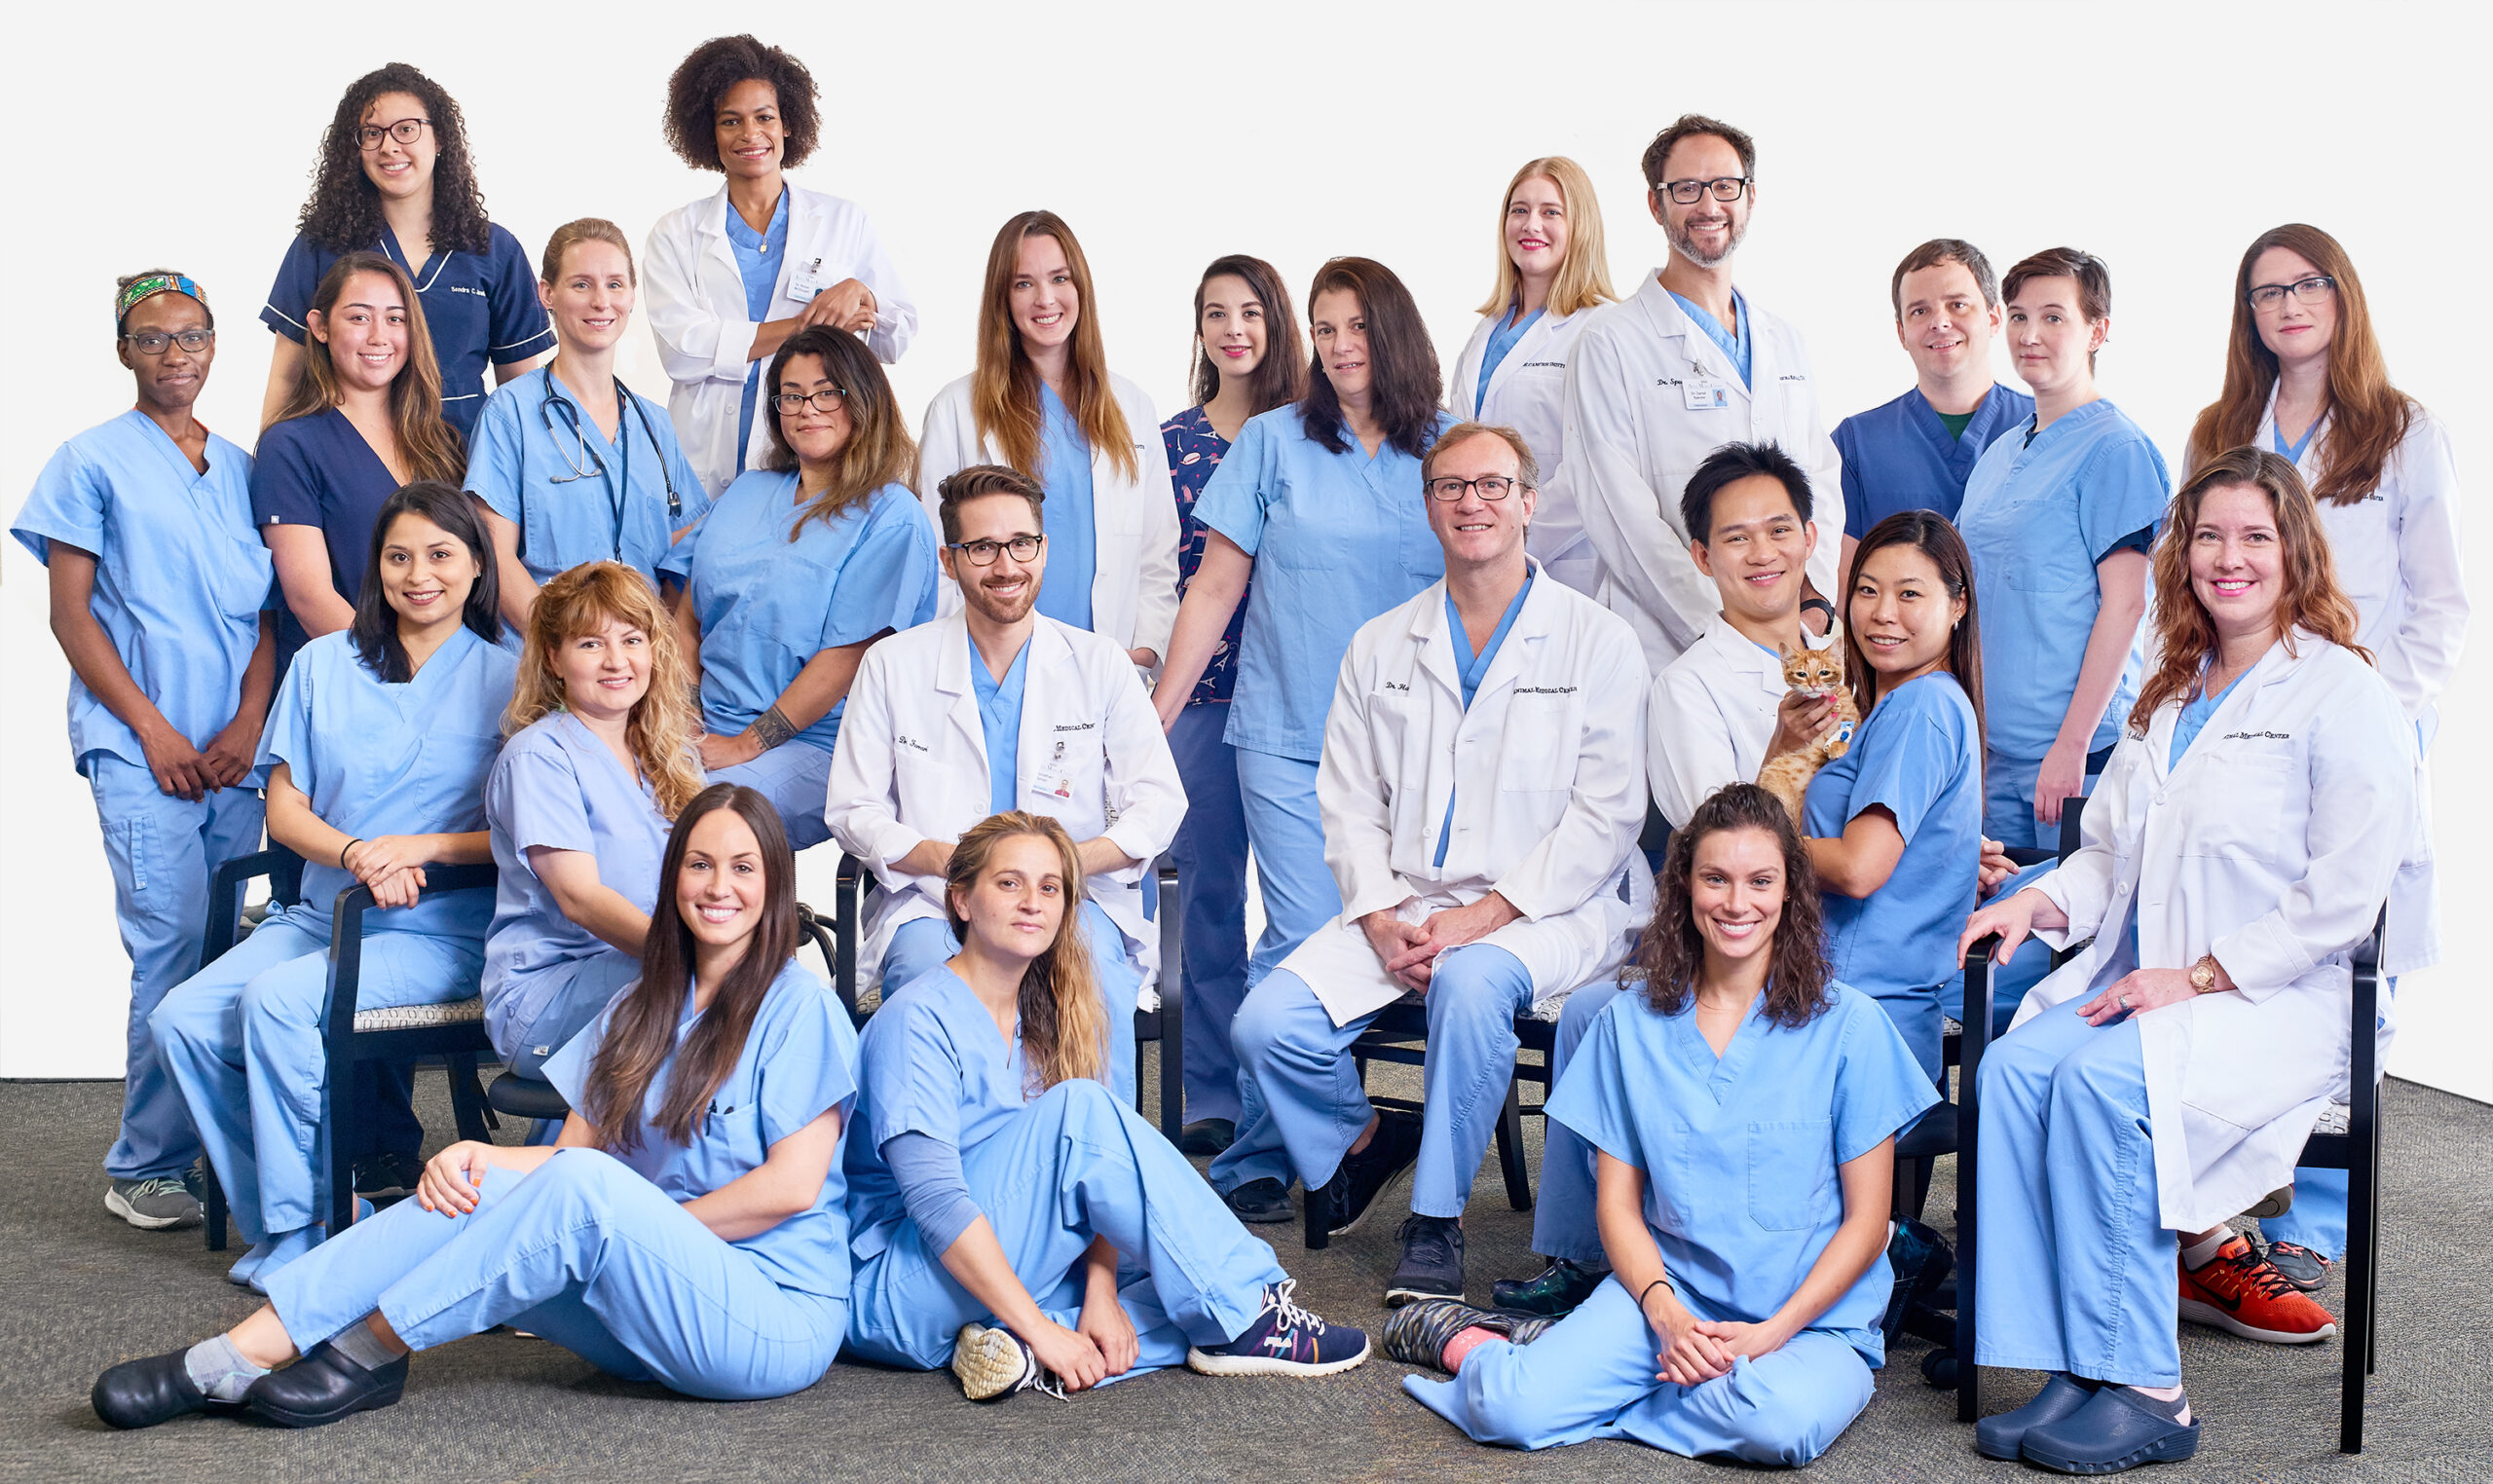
[[1704, 393], [807, 281]]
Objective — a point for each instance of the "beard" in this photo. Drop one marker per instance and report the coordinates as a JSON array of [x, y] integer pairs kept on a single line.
[[1682, 242], [1002, 611]]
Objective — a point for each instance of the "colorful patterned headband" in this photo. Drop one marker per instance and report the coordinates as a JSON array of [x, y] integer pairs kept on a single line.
[[148, 287]]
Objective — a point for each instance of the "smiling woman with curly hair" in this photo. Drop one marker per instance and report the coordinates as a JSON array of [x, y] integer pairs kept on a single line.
[[395, 178], [799, 258]]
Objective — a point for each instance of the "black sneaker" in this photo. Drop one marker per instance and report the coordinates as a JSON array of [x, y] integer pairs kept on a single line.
[[387, 1176], [1920, 1259], [1284, 1340], [1418, 1332], [1206, 1135], [1554, 1292], [2299, 1265], [1259, 1202], [1432, 1265], [1347, 1197]]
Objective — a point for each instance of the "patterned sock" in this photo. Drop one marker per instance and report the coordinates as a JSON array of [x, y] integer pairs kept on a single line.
[[219, 1370]]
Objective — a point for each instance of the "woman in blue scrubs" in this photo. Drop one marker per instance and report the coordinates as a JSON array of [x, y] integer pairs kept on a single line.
[[691, 1226], [803, 563], [1247, 362], [159, 591], [395, 178], [599, 761], [1321, 502], [1894, 826], [1012, 1215], [569, 464], [1745, 1104], [377, 752]]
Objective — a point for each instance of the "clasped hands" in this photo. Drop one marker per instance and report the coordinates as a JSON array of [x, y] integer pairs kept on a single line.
[[1409, 949], [392, 865], [1696, 1350]]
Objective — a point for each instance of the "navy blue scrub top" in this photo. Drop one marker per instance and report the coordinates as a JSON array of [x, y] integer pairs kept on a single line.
[[1899, 455], [317, 470]]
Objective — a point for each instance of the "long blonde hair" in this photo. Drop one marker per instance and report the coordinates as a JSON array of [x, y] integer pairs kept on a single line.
[[1004, 389], [425, 443], [1064, 1030], [1584, 278], [660, 734]]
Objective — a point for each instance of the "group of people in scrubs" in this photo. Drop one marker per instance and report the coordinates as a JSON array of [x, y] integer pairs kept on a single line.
[[1480, 673]]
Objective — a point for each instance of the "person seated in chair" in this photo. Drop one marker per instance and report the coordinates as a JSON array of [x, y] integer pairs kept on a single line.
[[1482, 786], [993, 708]]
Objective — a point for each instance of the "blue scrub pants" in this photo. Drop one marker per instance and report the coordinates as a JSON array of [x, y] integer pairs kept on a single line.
[[923, 944], [532, 1017], [241, 1039], [1592, 1377], [163, 850], [2076, 1272], [795, 777], [1562, 1217], [1278, 798], [587, 1253], [1300, 1087], [1074, 1165], [1210, 852]]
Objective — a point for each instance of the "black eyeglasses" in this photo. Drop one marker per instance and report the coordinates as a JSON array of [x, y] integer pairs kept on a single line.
[[405, 131], [1491, 487], [982, 553], [1688, 193], [2311, 290], [155, 342], [828, 399]]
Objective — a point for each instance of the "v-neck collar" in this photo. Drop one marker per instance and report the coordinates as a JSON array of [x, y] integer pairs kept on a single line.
[[1737, 1052]]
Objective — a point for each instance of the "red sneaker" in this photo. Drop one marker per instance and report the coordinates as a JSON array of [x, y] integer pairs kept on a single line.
[[2239, 1292]]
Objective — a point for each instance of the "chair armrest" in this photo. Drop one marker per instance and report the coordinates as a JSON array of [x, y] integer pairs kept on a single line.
[[346, 937], [225, 895], [1977, 1010]]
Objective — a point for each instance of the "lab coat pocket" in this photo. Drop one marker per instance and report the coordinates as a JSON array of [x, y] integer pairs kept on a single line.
[[2365, 549], [2246, 817], [1540, 740], [1791, 1174]]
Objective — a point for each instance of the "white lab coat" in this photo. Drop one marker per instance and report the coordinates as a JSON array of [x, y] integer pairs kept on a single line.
[[694, 300], [912, 766], [1632, 444], [1711, 718], [1527, 392], [1547, 772], [2271, 847], [1134, 581]]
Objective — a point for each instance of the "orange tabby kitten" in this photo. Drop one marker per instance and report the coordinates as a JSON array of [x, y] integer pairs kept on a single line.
[[1812, 672]]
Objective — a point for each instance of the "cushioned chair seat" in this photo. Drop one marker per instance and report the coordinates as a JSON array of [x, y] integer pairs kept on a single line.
[[524, 1098], [419, 1016]]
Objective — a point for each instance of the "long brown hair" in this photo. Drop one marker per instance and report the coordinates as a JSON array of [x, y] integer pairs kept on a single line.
[[659, 732], [1672, 955], [878, 450], [639, 1033], [426, 444], [1402, 359], [1583, 278], [2185, 636], [2367, 416], [1280, 377], [1064, 1030], [374, 629], [1929, 533], [1004, 389]]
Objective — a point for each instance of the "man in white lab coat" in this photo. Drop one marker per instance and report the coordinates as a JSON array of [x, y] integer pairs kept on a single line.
[[1482, 785], [1679, 368], [998, 707]]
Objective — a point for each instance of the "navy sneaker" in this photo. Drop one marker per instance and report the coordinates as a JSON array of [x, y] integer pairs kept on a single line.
[[1259, 1202], [1556, 1290], [390, 1176], [1347, 1197], [1284, 1340], [1418, 1332], [1432, 1265]]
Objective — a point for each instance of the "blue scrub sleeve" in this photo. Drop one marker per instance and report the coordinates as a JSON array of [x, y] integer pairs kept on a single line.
[[534, 798], [808, 1060], [66, 506], [298, 279], [520, 328], [2140, 539], [1857, 500], [678, 561], [1240, 491], [1909, 761], [914, 1078], [286, 485], [287, 736], [1592, 1094], [929, 1171], [1879, 1085], [568, 1068], [887, 581], [495, 458], [2124, 487]]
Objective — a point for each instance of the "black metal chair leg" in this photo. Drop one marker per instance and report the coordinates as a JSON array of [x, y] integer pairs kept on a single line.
[[338, 1117], [467, 1097], [1510, 1160], [215, 1204]]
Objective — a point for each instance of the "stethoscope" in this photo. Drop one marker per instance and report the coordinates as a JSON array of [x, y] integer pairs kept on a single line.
[[587, 463]]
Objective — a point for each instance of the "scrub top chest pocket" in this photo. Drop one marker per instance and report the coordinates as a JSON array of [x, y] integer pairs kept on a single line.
[[1791, 1174]]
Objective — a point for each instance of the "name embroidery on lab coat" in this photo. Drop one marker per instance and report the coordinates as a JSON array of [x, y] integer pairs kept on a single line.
[[1076, 727], [903, 739], [1545, 690], [2254, 736]]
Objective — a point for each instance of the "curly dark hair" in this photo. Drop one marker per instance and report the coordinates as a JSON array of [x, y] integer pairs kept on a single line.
[[1673, 952], [718, 64], [343, 211]]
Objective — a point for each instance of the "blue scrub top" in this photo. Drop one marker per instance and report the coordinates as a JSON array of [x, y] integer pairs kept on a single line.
[[1503, 337], [799, 1062], [757, 256], [1195, 450], [1073, 536], [376, 758], [558, 787], [1337, 539], [181, 578], [528, 452], [1920, 753], [2037, 518], [317, 470], [999, 719], [480, 311], [1740, 1154], [1474, 669], [933, 1065], [2194, 719], [2292, 451], [767, 606], [1900, 456], [1740, 346]]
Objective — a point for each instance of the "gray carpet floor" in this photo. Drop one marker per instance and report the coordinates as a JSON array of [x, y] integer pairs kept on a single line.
[[84, 1291]]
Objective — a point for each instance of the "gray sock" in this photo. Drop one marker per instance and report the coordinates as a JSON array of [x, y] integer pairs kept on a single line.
[[358, 1344], [219, 1370]]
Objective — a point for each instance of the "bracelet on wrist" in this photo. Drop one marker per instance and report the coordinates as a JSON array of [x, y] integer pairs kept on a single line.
[[343, 850], [1662, 1283]]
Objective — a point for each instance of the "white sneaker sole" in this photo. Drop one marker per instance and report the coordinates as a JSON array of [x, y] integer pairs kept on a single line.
[[119, 1204], [1209, 1364], [988, 1361], [2214, 1318]]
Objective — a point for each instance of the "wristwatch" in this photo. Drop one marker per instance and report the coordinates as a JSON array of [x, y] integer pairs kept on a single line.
[[2203, 975]]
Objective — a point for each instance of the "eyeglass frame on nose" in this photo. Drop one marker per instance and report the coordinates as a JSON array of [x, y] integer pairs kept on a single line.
[[370, 135], [1463, 487], [2277, 292], [838, 395], [137, 340], [994, 549], [1739, 185]]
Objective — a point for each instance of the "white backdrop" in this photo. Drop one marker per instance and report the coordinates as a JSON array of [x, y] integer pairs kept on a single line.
[[2162, 137]]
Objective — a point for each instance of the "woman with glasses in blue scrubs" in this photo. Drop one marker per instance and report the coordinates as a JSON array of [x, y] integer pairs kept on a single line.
[[568, 465], [803, 563]]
